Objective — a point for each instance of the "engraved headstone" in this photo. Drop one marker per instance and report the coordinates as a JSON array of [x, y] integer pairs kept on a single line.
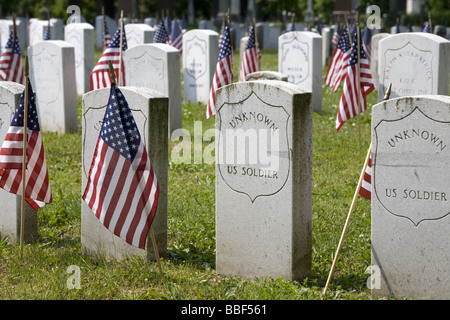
[[416, 63], [150, 110], [138, 33], [200, 54], [52, 75], [263, 180], [411, 197], [157, 66], [10, 216], [300, 58], [81, 37]]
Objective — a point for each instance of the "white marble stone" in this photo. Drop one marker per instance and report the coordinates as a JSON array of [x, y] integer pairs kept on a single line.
[[157, 66], [200, 54], [52, 75], [150, 110], [411, 198], [263, 180], [300, 58], [81, 37]]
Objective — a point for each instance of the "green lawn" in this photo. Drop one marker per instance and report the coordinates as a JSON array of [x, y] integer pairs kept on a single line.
[[189, 268]]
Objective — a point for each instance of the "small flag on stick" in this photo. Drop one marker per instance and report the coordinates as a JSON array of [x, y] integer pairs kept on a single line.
[[37, 185], [100, 77], [122, 189], [224, 71], [251, 57], [11, 68]]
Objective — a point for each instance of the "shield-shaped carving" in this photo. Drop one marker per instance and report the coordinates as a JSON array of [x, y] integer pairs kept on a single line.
[[253, 155], [195, 52], [411, 167], [294, 60]]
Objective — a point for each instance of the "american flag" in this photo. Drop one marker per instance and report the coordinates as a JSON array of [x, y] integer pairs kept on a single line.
[[339, 61], [122, 190], [224, 71], [37, 189], [161, 35], [100, 77], [336, 36], [367, 43], [168, 25], [106, 35], [366, 184], [251, 56], [11, 68], [427, 28], [350, 104], [176, 37], [222, 30], [397, 28]]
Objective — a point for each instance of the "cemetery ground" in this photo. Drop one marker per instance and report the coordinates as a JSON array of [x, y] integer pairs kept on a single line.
[[189, 267]]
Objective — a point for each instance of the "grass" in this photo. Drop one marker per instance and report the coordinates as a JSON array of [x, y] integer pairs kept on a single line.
[[189, 268]]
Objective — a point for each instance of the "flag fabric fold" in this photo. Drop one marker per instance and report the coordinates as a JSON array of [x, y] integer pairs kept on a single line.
[[161, 35], [339, 62], [251, 56], [122, 189], [11, 68], [37, 185], [100, 76], [224, 71], [176, 37], [336, 36], [366, 184], [351, 103], [367, 43]]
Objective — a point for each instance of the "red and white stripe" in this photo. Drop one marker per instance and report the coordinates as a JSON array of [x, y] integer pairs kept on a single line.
[[100, 77], [366, 184], [127, 214], [337, 69], [37, 190], [349, 106]]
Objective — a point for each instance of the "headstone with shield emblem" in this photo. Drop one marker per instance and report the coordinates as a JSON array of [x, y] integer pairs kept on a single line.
[[263, 180]]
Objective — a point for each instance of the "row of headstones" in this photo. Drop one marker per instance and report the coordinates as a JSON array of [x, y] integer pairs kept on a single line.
[[266, 203]]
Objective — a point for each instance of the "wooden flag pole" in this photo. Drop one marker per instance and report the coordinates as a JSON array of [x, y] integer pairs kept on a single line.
[[155, 249], [355, 196], [120, 56], [112, 73], [358, 79], [24, 155], [429, 21]]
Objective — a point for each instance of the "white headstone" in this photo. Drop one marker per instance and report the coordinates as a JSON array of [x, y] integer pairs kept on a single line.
[[157, 66], [411, 198], [150, 111], [300, 58], [416, 63], [138, 33], [52, 75], [81, 37], [374, 54], [263, 180], [200, 54], [10, 216]]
